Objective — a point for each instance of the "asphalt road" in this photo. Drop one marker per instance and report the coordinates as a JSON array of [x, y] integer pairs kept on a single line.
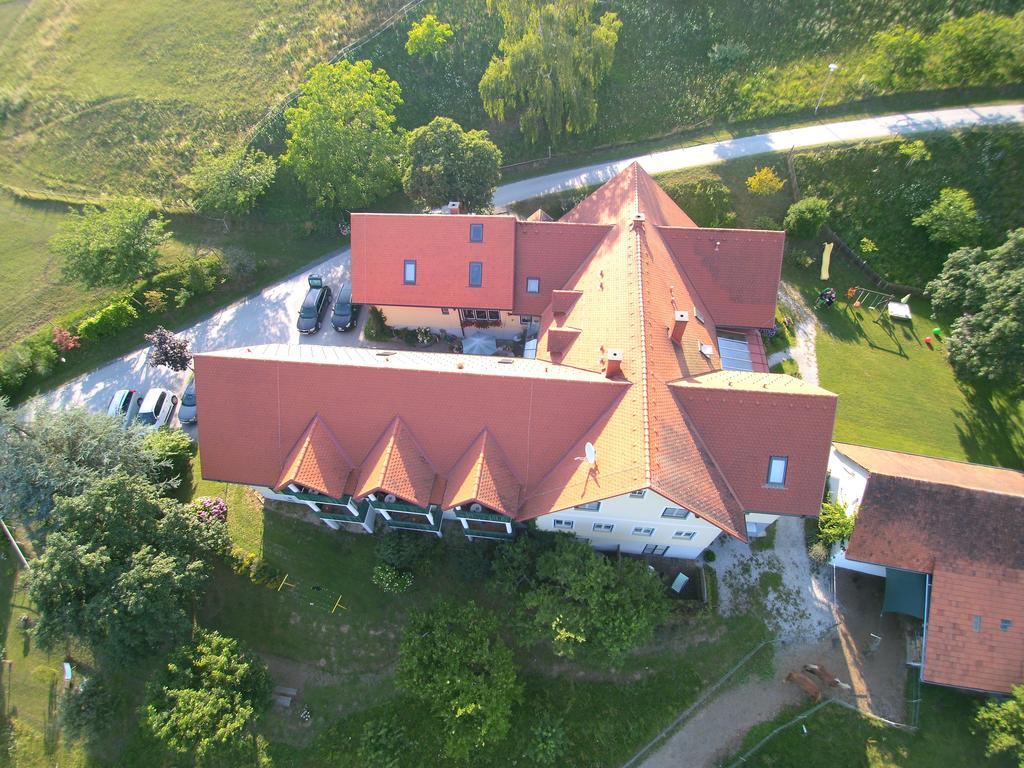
[[269, 316]]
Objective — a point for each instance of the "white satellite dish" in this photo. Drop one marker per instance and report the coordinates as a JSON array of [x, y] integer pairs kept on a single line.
[[476, 508], [589, 454], [390, 498]]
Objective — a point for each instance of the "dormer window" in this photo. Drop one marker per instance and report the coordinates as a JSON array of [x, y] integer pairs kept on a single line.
[[533, 285], [476, 274], [777, 468], [476, 233], [410, 272]]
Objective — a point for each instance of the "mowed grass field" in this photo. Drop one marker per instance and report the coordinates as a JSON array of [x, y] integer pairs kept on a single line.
[[120, 95]]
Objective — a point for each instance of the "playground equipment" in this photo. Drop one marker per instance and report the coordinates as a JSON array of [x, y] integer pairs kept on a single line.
[[868, 299]]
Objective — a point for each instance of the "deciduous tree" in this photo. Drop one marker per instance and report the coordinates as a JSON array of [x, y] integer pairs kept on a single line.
[[205, 701], [1003, 723], [447, 163], [553, 56], [580, 601], [343, 144], [452, 658], [951, 219], [168, 349], [988, 289], [231, 182], [764, 181], [896, 58], [122, 570], [115, 245], [806, 217], [428, 37]]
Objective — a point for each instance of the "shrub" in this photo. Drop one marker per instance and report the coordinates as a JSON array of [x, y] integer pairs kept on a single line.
[[806, 217], [88, 711], [766, 222], [915, 151], [799, 257], [376, 328], [764, 181], [390, 579], [155, 301], [15, 365], [173, 451], [980, 49], [728, 53], [834, 524], [550, 744], [109, 320], [951, 219], [867, 246], [251, 565], [709, 555], [817, 552], [474, 560], [64, 340], [707, 201], [404, 550], [211, 508], [383, 744], [896, 58]]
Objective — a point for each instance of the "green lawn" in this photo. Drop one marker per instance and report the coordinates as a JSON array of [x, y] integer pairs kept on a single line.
[[839, 738]]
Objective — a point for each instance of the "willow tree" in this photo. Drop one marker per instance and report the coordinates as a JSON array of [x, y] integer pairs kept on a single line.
[[553, 56]]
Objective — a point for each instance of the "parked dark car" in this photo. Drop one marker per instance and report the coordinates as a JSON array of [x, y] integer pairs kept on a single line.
[[311, 314], [346, 314]]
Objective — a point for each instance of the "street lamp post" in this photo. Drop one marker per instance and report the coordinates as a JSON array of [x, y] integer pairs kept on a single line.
[[831, 68]]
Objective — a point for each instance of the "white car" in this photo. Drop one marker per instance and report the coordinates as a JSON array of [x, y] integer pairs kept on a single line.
[[187, 411], [124, 405], [155, 408]]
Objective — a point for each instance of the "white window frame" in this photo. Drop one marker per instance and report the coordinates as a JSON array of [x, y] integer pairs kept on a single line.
[[638, 494], [590, 506], [560, 524], [773, 462], [643, 530], [685, 535], [687, 514], [604, 527]]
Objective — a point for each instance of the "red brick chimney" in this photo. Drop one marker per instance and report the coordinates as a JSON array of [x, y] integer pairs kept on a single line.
[[613, 368], [679, 321]]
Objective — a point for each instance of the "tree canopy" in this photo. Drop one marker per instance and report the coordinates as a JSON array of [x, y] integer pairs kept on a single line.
[[580, 600], [168, 349], [447, 163], [987, 291], [452, 658], [806, 217], [205, 701], [60, 453], [1003, 723], [428, 37], [230, 183], [115, 245], [343, 144], [122, 570], [951, 219], [553, 56]]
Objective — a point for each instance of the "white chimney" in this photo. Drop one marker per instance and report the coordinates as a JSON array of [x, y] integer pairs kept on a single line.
[[453, 207], [614, 366]]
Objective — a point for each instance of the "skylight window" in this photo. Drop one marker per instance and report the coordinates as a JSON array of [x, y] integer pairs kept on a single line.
[[476, 274], [777, 467], [410, 272], [476, 233], [533, 285], [976, 623]]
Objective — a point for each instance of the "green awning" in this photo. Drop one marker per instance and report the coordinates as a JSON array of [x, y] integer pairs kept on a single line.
[[904, 592]]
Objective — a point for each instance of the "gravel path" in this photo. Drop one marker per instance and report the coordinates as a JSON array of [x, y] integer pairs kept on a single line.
[[806, 331]]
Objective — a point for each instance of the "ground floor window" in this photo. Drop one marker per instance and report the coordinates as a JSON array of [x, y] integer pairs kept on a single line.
[[642, 531], [685, 535], [565, 525], [604, 527], [473, 315], [655, 549]]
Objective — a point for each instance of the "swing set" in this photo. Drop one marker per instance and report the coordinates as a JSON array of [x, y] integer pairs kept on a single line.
[[858, 298]]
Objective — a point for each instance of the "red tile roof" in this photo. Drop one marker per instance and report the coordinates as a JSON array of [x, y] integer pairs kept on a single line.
[[440, 246], [317, 461], [483, 475], [397, 465], [619, 286], [972, 542]]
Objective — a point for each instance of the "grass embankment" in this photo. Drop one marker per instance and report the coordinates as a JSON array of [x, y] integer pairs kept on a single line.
[[839, 738], [876, 192]]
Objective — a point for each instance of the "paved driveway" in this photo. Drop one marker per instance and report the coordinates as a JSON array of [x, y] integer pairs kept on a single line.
[[269, 316]]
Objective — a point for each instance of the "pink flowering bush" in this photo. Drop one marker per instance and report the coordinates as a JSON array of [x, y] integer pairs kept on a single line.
[[210, 508]]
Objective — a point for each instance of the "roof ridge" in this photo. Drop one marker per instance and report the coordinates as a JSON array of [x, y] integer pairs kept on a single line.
[[645, 410], [923, 456]]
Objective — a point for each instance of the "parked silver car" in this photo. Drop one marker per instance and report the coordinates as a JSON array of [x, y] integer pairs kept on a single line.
[[187, 411], [124, 405], [156, 408]]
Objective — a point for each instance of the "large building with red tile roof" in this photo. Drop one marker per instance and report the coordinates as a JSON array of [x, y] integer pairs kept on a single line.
[[959, 529], [644, 418]]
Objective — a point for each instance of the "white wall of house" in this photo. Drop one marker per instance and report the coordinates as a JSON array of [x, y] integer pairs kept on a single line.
[[847, 480], [626, 513], [758, 522], [510, 325]]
